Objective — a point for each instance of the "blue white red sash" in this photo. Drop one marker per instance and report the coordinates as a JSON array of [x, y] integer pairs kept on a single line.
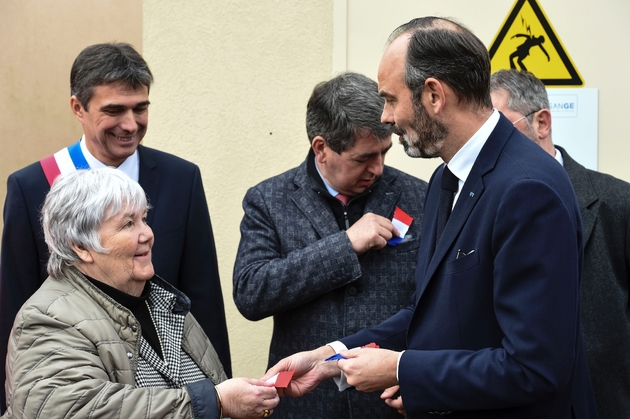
[[69, 159]]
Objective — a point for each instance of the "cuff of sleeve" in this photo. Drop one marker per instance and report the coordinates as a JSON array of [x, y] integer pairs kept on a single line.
[[203, 399], [342, 383], [398, 366], [337, 346]]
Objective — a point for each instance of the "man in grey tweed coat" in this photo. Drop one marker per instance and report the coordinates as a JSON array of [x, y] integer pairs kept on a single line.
[[605, 208], [323, 267]]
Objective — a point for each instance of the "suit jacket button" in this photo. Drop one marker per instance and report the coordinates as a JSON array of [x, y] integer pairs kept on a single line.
[[134, 328], [129, 355], [352, 291]]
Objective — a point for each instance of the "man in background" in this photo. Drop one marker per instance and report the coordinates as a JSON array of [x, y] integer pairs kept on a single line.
[[605, 207], [109, 86], [313, 250]]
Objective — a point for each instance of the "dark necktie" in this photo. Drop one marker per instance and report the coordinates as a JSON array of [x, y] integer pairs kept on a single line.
[[450, 184]]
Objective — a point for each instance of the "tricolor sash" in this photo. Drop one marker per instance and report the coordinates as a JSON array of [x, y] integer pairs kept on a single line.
[[66, 160]]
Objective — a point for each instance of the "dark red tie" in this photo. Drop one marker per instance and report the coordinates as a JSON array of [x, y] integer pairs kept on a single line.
[[343, 198]]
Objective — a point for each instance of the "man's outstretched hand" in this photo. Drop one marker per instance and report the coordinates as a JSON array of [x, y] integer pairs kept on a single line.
[[370, 369], [310, 370]]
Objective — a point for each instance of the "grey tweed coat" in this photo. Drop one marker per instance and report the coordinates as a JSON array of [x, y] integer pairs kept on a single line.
[[605, 207], [295, 264]]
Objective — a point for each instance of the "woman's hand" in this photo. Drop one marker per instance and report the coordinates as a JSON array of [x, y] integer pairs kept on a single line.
[[310, 370], [247, 398]]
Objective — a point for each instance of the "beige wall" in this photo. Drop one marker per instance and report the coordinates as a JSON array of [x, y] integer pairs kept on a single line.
[[231, 84], [40, 39]]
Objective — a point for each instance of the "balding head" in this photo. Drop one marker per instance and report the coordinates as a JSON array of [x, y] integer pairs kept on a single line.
[[522, 98], [447, 51]]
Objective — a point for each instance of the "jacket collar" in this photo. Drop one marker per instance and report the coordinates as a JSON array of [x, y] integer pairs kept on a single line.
[[307, 197], [148, 178], [117, 311], [587, 197]]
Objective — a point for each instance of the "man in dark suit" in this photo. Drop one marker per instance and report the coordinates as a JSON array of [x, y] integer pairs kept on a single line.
[[605, 207], [322, 267], [494, 328], [110, 97]]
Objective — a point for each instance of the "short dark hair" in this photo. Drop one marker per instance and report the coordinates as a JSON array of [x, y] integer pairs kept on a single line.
[[451, 53], [343, 107], [526, 93], [104, 64]]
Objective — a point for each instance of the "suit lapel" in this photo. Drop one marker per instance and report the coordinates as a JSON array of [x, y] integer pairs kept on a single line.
[[383, 199], [586, 194], [148, 178], [313, 205], [468, 198], [471, 192]]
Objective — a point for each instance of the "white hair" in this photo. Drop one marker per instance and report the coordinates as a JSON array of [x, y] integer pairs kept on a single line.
[[77, 205]]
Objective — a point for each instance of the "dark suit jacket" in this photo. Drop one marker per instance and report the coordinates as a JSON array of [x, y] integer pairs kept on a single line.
[[605, 206], [294, 263], [183, 253], [495, 328]]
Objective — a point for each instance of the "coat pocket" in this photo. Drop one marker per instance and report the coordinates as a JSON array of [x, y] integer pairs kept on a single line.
[[463, 261]]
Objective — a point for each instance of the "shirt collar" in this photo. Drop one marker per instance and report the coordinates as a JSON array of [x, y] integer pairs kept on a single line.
[[130, 167], [329, 188], [558, 157], [462, 162]]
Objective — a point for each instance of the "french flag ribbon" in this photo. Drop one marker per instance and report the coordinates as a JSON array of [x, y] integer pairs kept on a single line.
[[337, 357], [401, 221], [66, 160]]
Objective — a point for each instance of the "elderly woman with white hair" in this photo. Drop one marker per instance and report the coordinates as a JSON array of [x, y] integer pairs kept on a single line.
[[104, 336]]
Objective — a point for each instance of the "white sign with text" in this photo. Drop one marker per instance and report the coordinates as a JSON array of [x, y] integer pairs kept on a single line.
[[574, 123]]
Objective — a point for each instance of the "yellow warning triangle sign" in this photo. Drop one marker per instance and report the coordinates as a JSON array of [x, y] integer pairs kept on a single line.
[[527, 41]]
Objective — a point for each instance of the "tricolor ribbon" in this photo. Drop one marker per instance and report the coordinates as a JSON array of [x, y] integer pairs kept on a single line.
[[401, 221], [66, 160], [337, 357]]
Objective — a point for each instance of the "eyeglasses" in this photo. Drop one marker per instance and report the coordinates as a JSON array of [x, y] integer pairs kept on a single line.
[[523, 117]]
